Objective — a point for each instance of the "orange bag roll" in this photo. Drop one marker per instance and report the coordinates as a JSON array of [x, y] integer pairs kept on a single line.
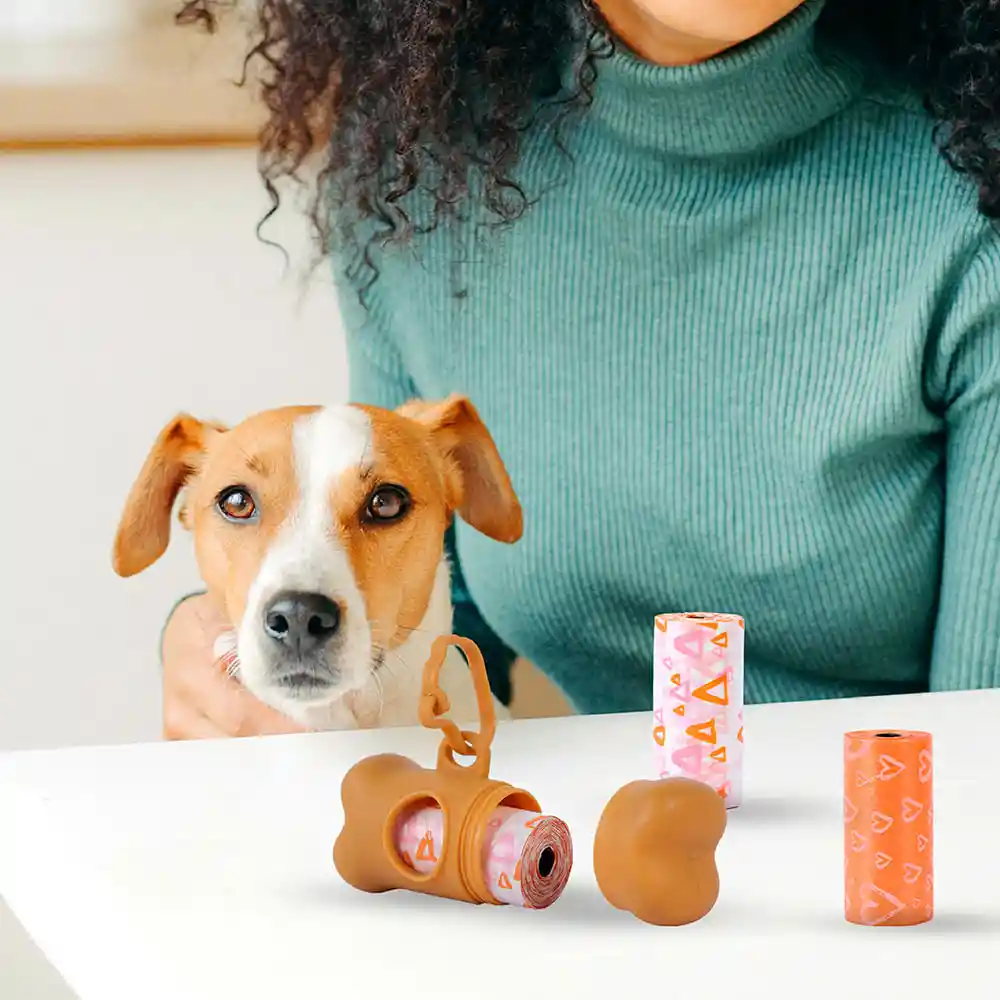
[[888, 828]]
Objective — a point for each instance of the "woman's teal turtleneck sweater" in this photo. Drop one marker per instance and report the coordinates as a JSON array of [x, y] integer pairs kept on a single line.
[[746, 358]]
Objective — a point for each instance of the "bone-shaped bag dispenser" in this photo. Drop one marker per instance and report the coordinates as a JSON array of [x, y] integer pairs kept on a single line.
[[451, 830]]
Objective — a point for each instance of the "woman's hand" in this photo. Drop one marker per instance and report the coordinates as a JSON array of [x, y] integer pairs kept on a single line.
[[200, 699]]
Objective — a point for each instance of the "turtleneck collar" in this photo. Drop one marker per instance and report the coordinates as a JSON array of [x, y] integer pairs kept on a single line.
[[774, 87]]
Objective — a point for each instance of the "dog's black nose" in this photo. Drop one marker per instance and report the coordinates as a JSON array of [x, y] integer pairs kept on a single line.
[[301, 623]]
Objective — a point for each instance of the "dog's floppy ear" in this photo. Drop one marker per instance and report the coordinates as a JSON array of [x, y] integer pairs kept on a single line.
[[144, 528], [486, 499]]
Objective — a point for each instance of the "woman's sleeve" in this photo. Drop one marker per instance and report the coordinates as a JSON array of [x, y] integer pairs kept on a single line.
[[378, 377], [966, 369]]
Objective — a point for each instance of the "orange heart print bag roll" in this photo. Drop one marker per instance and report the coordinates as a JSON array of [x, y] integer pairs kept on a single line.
[[888, 828]]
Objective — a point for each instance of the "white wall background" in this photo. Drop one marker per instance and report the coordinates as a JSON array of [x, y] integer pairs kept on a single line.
[[30, 19], [132, 285]]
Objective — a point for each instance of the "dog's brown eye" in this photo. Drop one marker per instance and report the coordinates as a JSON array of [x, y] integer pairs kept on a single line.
[[236, 504], [387, 503]]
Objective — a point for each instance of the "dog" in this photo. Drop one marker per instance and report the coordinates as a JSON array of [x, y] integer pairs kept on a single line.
[[319, 533]]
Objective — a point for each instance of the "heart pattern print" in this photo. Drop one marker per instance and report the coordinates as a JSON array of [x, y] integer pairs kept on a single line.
[[698, 700], [888, 828], [527, 856]]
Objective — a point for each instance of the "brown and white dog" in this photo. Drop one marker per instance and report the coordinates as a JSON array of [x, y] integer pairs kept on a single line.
[[319, 532]]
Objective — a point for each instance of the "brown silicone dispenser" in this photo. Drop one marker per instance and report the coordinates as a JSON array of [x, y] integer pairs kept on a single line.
[[654, 850], [377, 790]]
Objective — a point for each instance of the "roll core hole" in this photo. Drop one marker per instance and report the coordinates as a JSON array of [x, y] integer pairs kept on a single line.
[[888, 736], [696, 615], [546, 862]]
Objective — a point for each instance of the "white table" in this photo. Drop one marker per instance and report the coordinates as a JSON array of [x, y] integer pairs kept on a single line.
[[203, 871]]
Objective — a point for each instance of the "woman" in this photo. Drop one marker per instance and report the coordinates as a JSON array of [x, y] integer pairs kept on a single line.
[[722, 279]]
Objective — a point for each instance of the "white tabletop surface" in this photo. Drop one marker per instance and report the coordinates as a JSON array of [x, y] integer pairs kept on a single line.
[[203, 871]]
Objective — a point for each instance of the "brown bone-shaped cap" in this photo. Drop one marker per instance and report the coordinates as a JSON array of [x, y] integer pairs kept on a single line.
[[654, 851]]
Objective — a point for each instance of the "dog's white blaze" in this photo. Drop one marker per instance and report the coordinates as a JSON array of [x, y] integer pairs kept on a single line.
[[307, 554]]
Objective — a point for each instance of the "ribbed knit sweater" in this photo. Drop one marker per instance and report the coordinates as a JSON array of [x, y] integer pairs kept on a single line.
[[745, 357]]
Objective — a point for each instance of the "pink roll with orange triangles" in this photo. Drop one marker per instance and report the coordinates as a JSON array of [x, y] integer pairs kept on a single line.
[[527, 856], [698, 700]]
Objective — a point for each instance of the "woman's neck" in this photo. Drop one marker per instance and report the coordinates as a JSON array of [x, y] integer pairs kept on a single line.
[[686, 41], [775, 85]]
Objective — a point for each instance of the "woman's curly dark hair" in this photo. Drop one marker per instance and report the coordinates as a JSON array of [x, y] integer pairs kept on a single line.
[[388, 96]]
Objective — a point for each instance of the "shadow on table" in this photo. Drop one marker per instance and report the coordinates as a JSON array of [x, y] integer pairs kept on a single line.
[[787, 811], [585, 906], [944, 924], [580, 906], [961, 924]]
